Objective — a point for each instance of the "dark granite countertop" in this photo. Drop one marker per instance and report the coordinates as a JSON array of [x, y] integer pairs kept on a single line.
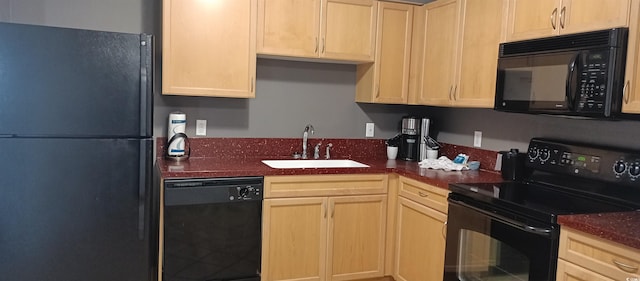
[[623, 228], [211, 167], [234, 157]]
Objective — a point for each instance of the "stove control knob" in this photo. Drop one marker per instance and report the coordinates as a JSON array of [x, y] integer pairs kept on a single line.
[[619, 167], [533, 154], [544, 154], [634, 169]]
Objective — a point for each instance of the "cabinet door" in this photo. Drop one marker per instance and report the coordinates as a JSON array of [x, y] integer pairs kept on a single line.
[[294, 233], [209, 48], [387, 80], [631, 96], [420, 242], [356, 237], [438, 60], [532, 19], [289, 27], [348, 29], [478, 52], [393, 52], [571, 272], [587, 15]]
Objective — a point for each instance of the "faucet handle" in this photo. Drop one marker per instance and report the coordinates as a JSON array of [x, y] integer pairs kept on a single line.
[[316, 151], [326, 154]]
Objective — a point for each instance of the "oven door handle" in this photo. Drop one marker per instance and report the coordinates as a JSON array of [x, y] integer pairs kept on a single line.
[[547, 232]]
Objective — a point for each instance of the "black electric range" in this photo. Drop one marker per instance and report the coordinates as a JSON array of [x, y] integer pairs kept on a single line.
[[509, 230], [565, 178]]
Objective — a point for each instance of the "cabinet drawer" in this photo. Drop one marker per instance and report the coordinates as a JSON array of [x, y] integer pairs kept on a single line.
[[430, 196], [610, 259], [571, 272], [324, 185]]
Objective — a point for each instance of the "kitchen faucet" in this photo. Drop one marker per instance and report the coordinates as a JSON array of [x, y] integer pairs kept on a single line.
[[307, 129]]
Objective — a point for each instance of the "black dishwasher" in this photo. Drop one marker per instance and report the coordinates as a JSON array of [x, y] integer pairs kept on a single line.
[[212, 229]]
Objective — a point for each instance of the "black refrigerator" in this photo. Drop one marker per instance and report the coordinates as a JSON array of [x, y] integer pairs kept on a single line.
[[76, 197]]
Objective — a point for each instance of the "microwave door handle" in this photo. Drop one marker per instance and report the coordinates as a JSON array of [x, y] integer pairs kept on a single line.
[[570, 93]]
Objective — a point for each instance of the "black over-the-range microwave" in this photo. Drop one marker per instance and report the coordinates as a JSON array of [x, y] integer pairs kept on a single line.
[[578, 75]]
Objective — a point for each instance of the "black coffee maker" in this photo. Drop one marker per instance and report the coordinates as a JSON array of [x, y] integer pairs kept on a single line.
[[410, 139]]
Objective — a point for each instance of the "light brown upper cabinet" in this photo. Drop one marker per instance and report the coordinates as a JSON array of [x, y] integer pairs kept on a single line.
[[341, 30], [387, 80], [208, 48], [455, 52], [631, 95], [540, 18]]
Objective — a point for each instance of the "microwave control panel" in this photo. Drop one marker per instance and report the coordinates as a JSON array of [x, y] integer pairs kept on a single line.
[[607, 164], [592, 87]]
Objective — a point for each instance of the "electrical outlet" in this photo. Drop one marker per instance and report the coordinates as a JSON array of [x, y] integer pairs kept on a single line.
[[201, 127], [477, 139], [369, 130]]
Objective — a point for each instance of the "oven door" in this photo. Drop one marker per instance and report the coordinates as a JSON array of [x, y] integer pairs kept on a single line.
[[485, 246]]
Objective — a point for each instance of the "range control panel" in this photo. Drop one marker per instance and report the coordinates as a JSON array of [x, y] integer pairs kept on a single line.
[[608, 164]]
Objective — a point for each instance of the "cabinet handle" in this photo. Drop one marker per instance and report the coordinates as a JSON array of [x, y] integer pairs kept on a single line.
[[554, 15], [444, 230], [252, 85], [422, 194], [323, 45], [562, 16], [316, 50], [378, 91], [333, 209], [625, 267], [625, 92], [450, 90], [455, 91], [325, 210]]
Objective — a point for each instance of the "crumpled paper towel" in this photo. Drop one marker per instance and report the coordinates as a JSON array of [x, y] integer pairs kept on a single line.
[[442, 163]]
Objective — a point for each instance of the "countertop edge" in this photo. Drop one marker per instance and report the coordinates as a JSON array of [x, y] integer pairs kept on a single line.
[[618, 228]]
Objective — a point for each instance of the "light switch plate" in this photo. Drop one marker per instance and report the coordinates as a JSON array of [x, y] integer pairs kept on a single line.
[[201, 127], [369, 132], [477, 139]]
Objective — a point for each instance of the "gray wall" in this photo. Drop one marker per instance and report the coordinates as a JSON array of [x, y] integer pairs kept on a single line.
[[502, 130], [288, 96], [292, 94]]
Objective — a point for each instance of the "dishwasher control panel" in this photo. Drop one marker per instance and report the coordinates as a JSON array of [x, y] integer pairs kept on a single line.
[[245, 192], [212, 190]]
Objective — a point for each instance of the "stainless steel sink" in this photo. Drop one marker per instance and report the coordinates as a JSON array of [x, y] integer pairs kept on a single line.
[[301, 164]]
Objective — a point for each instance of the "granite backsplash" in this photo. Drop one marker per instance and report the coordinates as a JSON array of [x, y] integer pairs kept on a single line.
[[283, 148]]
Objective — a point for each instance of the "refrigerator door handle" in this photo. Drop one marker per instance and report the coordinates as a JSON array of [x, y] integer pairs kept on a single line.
[[146, 98], [143, 182]]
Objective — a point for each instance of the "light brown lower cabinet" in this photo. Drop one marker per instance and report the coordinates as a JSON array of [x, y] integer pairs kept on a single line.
[[324, 237], [420, 232], [571, 272], [584, 257]]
